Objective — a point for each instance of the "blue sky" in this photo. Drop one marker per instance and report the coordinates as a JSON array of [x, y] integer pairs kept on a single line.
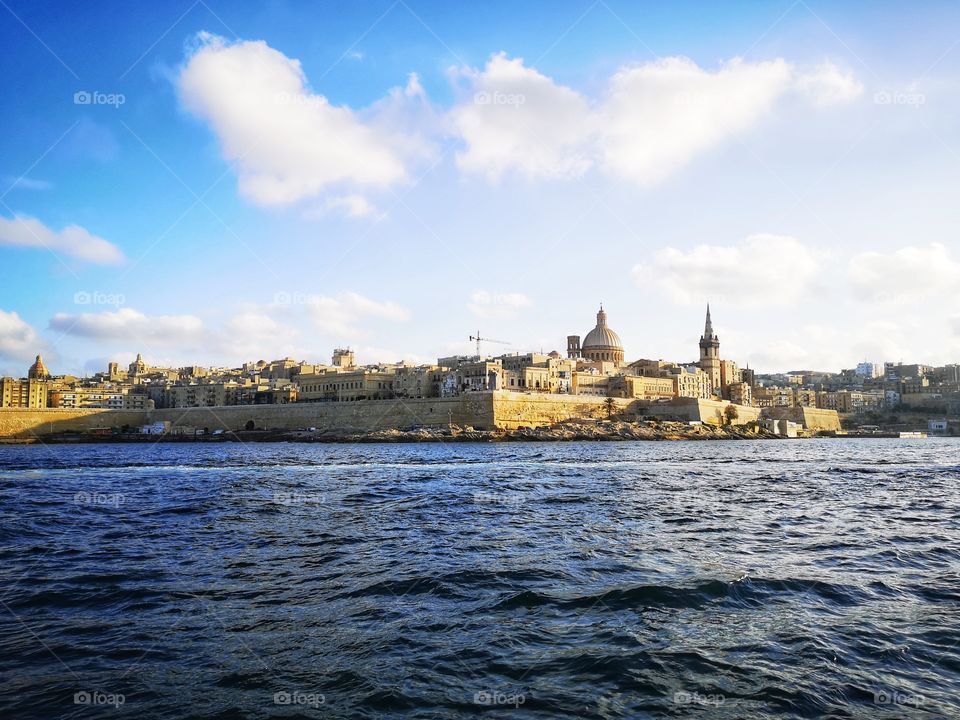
[[276, 179]]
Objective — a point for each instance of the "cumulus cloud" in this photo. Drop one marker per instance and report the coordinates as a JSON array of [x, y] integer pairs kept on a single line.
[[762, 268], [651, 121], [73, 241], [909, 274], [520, 120], [338, 316], [488, 305], [129, 324], [289, 143], [18, 340], [659, 115], [256, 331], [828, 84]]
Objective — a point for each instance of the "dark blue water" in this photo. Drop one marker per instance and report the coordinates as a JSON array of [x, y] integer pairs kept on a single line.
[[705, 579]]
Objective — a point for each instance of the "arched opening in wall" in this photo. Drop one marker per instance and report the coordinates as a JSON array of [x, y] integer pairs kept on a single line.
[[250, 425]]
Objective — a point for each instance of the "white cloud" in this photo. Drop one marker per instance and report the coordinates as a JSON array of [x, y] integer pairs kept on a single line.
[[338, 316], [516, 119], [255, 332], [289, 142], [831, 348], [354, 206], [653, 119], [829, 85], [72, 241], [907, 275], [129, 324], [659, 115], [488, 305], [18, 341], [769, 269]]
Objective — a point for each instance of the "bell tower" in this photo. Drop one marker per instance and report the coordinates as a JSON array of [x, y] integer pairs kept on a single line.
[[710, 353]]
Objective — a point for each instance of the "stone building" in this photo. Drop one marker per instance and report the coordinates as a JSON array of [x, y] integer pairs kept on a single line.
[[535, 372], [23, 393], [642, 388], [690, 381], [418, 382], [344, 358], [30, 393], [360, 384]]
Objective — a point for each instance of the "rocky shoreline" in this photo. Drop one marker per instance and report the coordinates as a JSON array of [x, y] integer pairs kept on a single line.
[[610, 430]]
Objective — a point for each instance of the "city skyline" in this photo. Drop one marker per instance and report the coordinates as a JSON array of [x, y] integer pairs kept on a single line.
[[215, 185], [490, 348]]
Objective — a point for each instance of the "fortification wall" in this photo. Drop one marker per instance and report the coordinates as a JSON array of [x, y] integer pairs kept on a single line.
[[810, 418], [482, 410], [474, 409], [513, 410], [697, 409], [27, 423]]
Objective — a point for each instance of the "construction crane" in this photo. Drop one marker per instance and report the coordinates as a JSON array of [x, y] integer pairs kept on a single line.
[[476, 338]]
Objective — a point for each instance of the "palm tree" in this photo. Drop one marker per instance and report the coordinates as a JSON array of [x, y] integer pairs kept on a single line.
[[611, 405]]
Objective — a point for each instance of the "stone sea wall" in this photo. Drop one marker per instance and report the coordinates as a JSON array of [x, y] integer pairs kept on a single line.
[[481, 410], [699, 410], [22, 423], [474, 410], [514, 410], [810, 418]]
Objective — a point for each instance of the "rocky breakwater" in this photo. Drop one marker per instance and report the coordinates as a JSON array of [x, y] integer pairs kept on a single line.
[[566, 431]]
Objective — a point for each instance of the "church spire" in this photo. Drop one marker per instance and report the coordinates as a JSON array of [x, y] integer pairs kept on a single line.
[[708, 325]]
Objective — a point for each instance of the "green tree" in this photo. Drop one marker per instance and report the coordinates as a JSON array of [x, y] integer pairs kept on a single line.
[[611, 405], [730, 413]]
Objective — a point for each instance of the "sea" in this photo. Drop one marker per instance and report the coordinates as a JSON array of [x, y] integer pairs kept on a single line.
[[702, 579]]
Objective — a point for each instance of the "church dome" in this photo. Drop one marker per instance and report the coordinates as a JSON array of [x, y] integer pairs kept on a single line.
[[602, 344], [38, 371], [602, 336]]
